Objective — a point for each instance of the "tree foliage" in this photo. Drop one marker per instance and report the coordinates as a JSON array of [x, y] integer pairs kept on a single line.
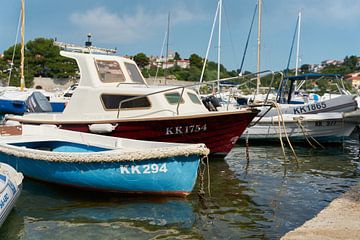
[[42, 59], [141, 60]]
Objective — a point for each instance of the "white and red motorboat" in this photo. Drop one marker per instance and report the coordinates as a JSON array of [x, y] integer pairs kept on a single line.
[[113, 98]]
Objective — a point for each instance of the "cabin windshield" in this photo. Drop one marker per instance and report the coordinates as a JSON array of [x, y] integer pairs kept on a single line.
[[109, 71], [112, 102], [194, 98], [173, 98], [134, 73]]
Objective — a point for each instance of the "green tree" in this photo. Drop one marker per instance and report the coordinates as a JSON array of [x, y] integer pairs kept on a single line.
[[141, 60], [305, 68], [177, 56], [196, 61]]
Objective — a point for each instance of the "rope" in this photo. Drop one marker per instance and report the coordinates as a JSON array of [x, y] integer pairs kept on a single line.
[[116, 155], [307, 134], [282, 127]]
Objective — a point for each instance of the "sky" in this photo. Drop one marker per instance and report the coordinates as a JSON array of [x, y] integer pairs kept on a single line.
[[329, 28]]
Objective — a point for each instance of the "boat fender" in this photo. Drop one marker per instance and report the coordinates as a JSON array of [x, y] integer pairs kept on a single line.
[[49, 125], [12, 123], [102, 128]]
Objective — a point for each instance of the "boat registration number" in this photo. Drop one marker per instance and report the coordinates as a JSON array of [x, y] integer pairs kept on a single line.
[[4, 200], [309, 108], [143, 169], [178, 130], [325, 123]]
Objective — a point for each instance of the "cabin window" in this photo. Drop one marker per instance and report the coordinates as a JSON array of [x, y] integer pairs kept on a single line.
[[111, 101], [173, 98], [134, 73], [194, 98], [109, 71]]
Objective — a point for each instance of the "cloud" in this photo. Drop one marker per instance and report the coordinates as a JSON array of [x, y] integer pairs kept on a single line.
[[335, 10], [328, 11], [122, 28]]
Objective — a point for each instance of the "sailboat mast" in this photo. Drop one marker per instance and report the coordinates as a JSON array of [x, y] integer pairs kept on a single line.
[[259, 46], [167, 47], [22, 79], [298, 45], [219, 46]]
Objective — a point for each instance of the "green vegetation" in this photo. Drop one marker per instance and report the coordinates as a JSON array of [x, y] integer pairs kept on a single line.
[[42, 58]]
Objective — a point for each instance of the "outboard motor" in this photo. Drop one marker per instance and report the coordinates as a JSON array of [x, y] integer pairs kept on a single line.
[[211, 103], [242, 101], [37, 102]]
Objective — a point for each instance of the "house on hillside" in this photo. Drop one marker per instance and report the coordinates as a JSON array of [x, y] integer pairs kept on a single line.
[[354, 78]]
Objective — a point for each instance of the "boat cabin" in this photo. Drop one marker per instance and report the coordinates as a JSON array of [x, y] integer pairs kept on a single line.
[[113, 87]]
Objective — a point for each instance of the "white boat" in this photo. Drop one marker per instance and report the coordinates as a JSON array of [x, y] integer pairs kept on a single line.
[[112, 97], [10, 188], [324, 127]]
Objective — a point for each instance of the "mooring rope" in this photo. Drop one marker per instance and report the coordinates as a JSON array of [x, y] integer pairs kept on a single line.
[[281, 128], [307, 134]]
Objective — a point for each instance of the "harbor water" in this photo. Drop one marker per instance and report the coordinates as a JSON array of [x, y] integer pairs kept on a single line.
[[262, 198]]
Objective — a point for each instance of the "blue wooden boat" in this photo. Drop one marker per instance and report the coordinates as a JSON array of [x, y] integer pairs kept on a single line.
[[13, 101], [102, 163], [10, 188]]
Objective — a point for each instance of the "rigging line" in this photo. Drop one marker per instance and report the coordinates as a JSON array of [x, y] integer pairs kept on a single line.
[[292, 47], [229, 32], [161, 53], [209, 45], [14, 50], [248, 39]]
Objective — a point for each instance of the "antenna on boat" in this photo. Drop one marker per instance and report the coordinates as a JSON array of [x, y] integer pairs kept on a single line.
[[89, 48]]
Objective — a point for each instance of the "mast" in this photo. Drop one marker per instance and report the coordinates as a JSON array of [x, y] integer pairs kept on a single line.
[[219, 46], [22, 79], [259, 46], [167, 47], [298, 45]]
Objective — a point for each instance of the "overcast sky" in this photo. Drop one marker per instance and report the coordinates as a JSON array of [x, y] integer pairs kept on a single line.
[[330, 28]]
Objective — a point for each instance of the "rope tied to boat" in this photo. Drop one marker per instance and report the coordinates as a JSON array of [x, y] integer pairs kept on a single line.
[[113, 155], [307, 135], [282, 128]]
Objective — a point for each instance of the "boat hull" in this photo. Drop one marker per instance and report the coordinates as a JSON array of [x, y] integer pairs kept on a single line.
[[169, 176], [12, 106], [323, 130], [9, 192], [219, 132]]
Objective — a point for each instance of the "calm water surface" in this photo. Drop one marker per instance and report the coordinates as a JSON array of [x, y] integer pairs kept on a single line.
[[260, 199]]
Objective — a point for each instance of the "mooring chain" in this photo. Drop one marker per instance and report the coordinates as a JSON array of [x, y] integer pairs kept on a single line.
[[202, 168], [201, 192]]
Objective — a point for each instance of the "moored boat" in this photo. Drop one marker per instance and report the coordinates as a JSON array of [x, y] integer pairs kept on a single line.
[[323, 127], [10, 189], [102, 163], [113, 95]]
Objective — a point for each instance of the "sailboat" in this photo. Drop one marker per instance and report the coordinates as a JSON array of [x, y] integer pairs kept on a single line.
[[322, 120], [14, 100]]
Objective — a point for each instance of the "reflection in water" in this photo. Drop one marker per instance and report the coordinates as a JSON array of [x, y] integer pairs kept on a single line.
[[289, 194], [47, 210], [260, 201]]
